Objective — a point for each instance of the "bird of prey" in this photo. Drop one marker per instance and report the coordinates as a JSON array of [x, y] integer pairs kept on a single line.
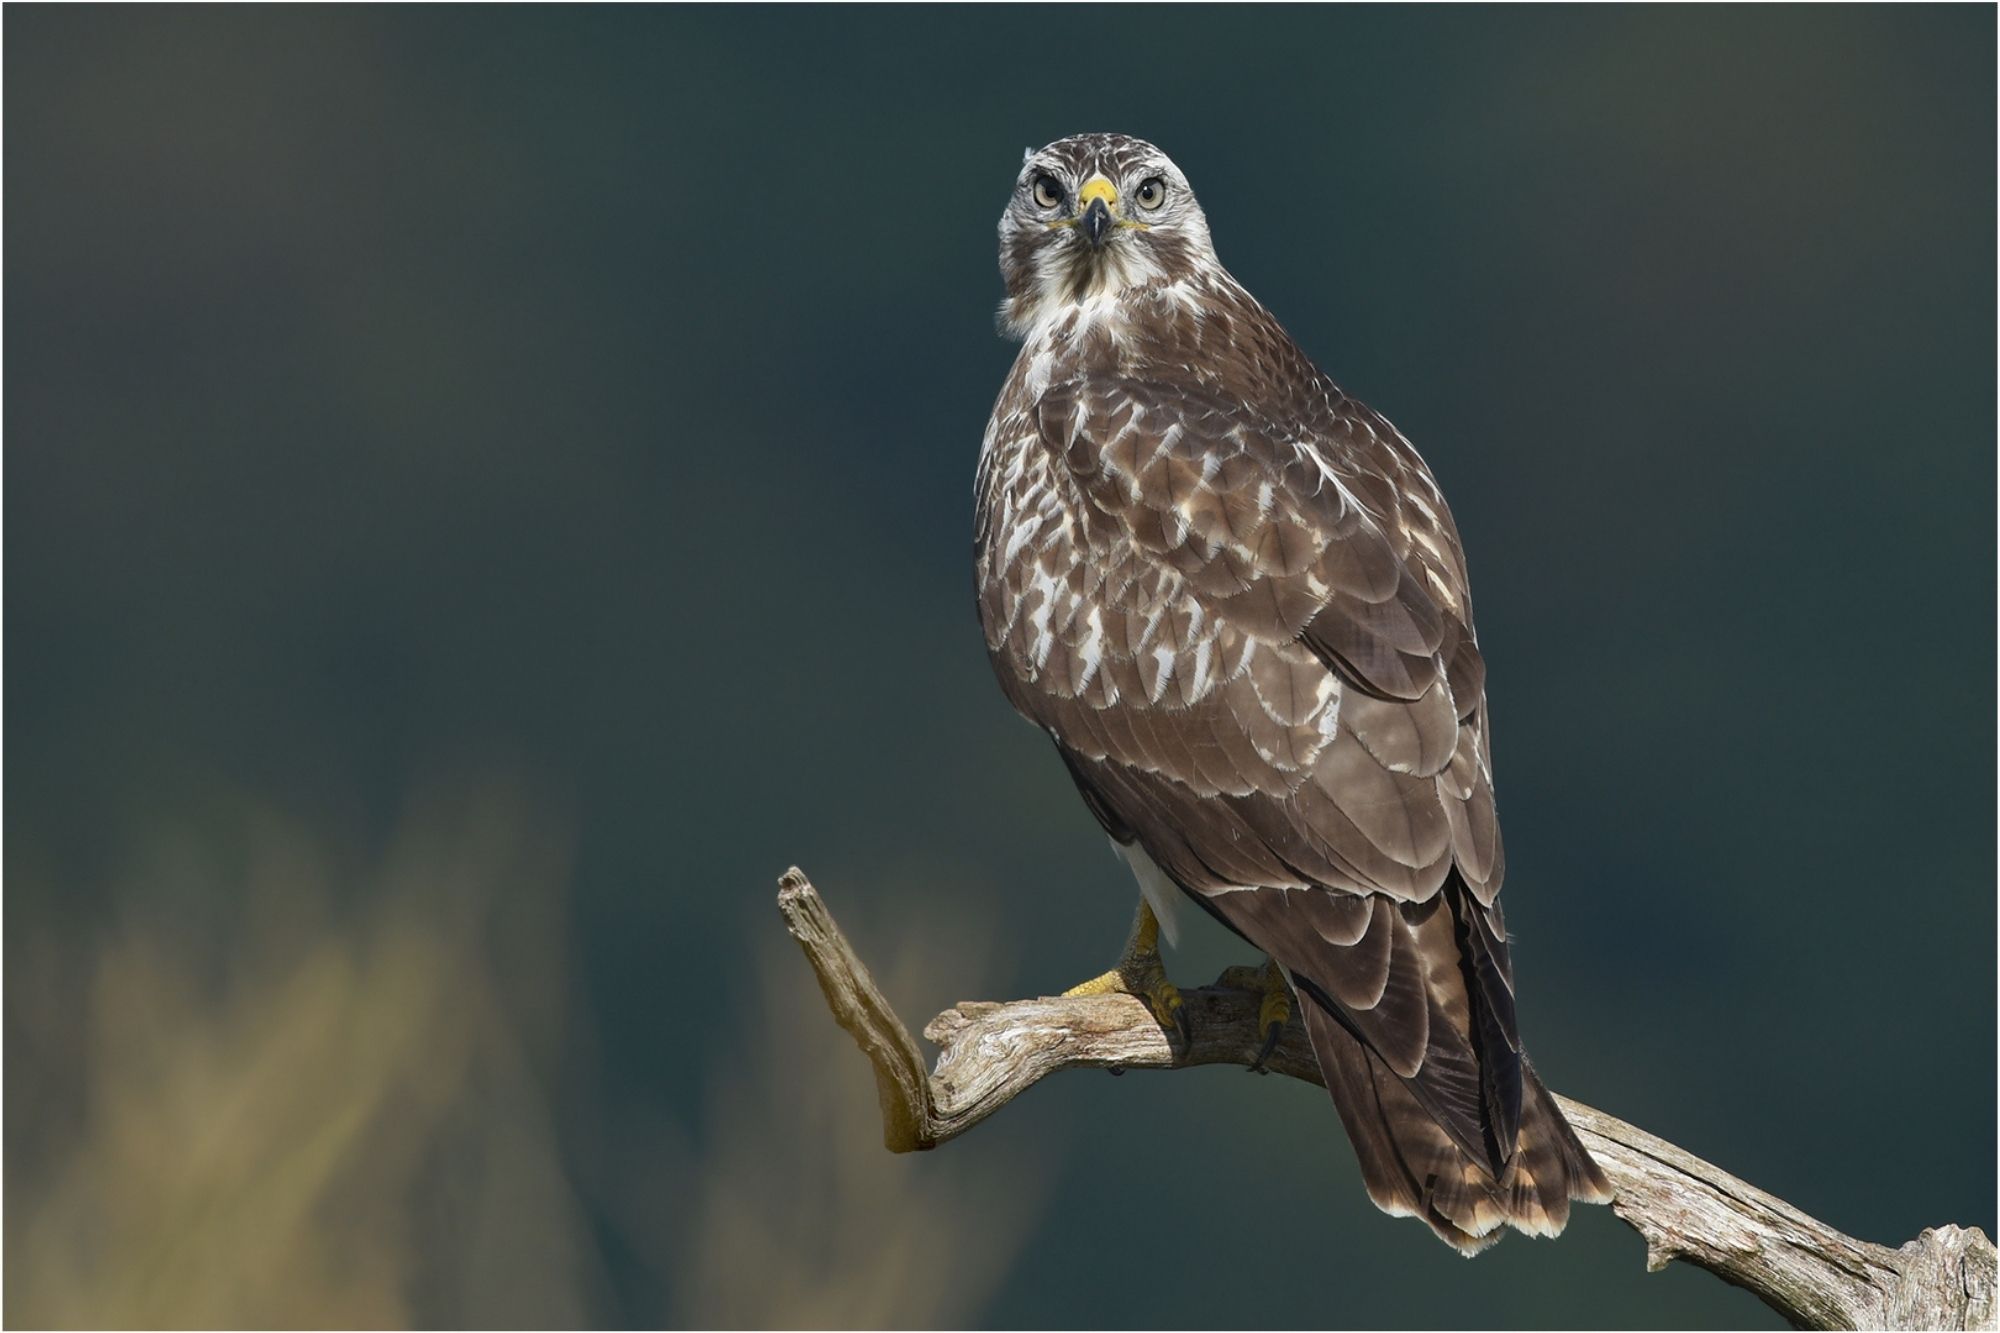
[[1236, 600]]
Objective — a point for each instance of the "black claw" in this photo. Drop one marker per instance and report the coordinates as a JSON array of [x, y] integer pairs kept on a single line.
[[1271, 1035], [1184, 1024]]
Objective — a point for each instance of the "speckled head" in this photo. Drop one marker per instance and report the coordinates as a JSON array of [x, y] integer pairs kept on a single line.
[[1093, 216]]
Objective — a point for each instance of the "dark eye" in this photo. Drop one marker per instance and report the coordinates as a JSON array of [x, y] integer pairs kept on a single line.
[[1048, 191], [1152, 192]]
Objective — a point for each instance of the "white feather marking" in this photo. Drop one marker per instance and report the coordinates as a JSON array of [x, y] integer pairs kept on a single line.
[[1446, 595], [1024, 528], [1093, 648], [1327, 719], [1040, 365], [1203, 655], [1152, 625], [1221, 889], [1160, 893], [1039, 617], [1243, 664], [1327, 474], [1164, 659]]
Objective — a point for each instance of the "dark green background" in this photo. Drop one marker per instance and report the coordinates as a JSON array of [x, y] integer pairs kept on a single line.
[[595, 394]]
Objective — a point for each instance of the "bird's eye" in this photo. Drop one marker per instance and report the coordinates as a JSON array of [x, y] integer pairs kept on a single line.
[[1152, 193], [1048, 191]]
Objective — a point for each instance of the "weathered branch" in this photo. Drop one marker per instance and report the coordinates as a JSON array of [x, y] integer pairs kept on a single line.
[[1684, 1207]]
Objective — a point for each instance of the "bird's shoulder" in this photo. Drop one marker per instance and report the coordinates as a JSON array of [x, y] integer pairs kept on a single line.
[[1191, 395], [1239, 581]]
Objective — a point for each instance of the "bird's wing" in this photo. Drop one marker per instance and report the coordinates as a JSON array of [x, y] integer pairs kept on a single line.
[[1279, 622], [1252, 644]]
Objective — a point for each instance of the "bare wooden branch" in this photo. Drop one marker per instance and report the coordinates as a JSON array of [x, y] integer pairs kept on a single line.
[[1685, 1208]]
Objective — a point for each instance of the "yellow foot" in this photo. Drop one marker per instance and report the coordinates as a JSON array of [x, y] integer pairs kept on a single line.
[[1140, 972], [1273, 1012]]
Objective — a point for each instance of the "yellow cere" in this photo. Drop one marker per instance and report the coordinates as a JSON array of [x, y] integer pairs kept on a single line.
[[1100, 187], [1097, 187]]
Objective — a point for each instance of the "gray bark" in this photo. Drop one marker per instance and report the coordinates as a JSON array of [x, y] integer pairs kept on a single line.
[[1685, 1208]]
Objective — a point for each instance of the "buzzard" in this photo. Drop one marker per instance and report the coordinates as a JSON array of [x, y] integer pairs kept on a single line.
[[1235, 599]]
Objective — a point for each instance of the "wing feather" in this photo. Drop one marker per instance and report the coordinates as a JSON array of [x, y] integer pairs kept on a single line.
[[1251, 638]]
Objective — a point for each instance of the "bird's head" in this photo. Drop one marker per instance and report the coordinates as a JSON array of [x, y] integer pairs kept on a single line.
[[1093, 215]]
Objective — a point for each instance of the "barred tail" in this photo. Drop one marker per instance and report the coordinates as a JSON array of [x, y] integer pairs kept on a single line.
[[1412, 1168]]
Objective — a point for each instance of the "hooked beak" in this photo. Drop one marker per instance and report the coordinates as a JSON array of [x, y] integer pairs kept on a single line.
[[1098, 198], [1096, 223]]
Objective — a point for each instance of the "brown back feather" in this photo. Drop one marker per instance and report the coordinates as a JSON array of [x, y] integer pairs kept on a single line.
[[1236, 600]]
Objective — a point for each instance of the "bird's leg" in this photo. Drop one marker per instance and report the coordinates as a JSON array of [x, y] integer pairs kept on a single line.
[[1274, 1007], [1273, 1012], [1140, 972]]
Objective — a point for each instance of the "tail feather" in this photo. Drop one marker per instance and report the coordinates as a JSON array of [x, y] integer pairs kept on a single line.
[[1413, 1168]]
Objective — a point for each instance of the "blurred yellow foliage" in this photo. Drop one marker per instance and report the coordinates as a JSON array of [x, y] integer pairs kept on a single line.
[[266, 1110], [271, 1088]]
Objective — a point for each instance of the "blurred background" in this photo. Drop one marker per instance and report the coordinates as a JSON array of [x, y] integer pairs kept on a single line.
[[488, 490]]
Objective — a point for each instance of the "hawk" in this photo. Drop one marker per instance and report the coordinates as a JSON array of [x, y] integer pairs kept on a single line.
[[1235, 599]]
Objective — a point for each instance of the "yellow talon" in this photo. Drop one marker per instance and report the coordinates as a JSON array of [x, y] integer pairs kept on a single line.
[[1164, 999], [1108, 983], [1273, 1012], [1140, 972], [1276, 1008]]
